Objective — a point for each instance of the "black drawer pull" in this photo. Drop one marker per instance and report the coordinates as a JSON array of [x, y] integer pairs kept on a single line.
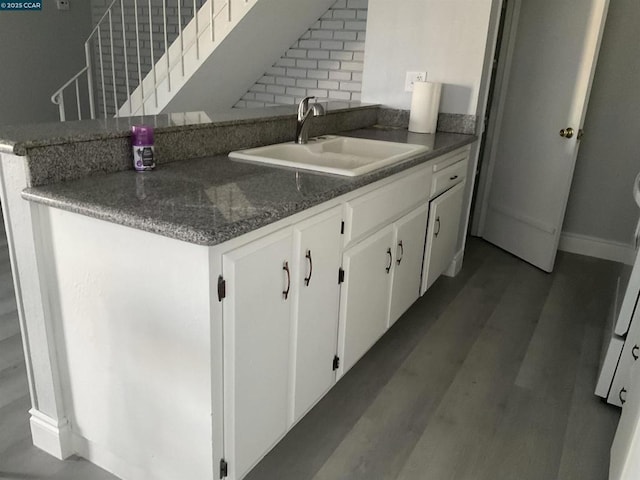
[[453, 178], [390, 260], [308, 257], [438, 223], [399, 259], [622, 400], [285, 267], [634, 351]]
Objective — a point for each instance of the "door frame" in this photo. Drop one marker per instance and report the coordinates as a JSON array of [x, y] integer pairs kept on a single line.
[[496, 113]]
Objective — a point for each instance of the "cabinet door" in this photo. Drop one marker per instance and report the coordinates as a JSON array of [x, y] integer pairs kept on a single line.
[[409, 237], [318, 243], [364, 296], [257, 338], [442, 234]]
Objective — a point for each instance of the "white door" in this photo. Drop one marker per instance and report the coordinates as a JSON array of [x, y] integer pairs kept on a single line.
[[257, 336], [409, 235], [442, 234], [318, 243], [364, 296], [531, 164]]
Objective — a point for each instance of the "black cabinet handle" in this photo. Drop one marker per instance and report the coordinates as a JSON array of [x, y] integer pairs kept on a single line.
[[437, 223], [453, 178], [634, 351], [401, 252], [388, 268], [622, 400], [285, 267], [308, 257]]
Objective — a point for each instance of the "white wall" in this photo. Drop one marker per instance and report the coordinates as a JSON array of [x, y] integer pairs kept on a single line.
[[447, 38], [40, 51], [600, 204]]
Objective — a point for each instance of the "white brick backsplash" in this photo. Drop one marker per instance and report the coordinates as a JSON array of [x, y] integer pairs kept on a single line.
[[318, 54], [352, 66], [296, 72], [317, 93], [344, 35], [307, 63], [340, 75], [325, 62], [344, 14], [328, 84], [278, 89], [339, 55], [306, 83], [287, 81], [332, 45], [282, 100], [322, 34], [318, 74], [300, 92], [329, 64], [355, 46], [357, 4], [296, 53], [346, 86], [332, 24], [307, 44], [339, 95]]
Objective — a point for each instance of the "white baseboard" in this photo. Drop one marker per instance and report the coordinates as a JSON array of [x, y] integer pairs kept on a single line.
[[49, 435], [597, 247]]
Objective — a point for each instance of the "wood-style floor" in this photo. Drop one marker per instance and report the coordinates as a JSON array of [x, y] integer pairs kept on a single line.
[[489, 376]]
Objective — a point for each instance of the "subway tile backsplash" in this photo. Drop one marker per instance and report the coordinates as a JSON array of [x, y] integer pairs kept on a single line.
[[325, 62]]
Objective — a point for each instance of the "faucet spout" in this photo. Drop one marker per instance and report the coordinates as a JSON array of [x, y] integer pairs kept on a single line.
[[304, 112]]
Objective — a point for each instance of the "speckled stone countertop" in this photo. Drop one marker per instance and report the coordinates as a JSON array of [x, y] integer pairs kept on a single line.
[[210, 200]]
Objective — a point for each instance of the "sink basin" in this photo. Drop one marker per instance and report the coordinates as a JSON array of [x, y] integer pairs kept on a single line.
[[333, 154]]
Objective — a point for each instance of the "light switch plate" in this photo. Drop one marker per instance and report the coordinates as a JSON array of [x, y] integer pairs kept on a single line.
[[413, 77]]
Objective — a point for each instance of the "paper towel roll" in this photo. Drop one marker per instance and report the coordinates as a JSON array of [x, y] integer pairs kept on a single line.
[[425, 103]]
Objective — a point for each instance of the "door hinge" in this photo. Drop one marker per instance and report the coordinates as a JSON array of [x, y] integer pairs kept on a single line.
[[336, 362], [223, 468], [222, 288], [340, 275], [342, 228]]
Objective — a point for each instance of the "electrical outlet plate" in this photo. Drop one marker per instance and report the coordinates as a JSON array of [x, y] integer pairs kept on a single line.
[[62, 4], [414, 77]]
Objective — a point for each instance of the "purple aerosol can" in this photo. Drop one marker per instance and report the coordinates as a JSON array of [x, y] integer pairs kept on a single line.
[[142, 146]]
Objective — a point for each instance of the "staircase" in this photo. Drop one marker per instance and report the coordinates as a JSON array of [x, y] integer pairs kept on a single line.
[[146, 57]]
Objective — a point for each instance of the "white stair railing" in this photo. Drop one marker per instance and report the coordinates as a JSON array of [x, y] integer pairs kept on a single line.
[[124, 47]]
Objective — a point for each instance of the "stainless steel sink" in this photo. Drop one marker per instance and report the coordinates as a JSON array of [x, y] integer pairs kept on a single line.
[[333, 154]]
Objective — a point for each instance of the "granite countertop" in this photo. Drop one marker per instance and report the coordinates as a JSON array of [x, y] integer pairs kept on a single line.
[[210, 200]]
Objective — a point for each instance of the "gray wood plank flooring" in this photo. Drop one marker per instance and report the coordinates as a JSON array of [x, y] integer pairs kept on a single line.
[[490, 375]]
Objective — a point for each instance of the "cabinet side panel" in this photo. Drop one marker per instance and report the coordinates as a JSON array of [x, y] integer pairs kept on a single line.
[[131, 318]]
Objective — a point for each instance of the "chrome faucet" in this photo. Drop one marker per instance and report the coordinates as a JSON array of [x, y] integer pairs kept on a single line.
[[304, 111]]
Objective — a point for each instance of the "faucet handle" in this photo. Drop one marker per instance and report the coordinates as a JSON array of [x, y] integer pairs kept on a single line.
[[303, 106]]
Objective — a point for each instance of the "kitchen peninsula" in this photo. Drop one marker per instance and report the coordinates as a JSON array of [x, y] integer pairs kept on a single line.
[[180, 321]]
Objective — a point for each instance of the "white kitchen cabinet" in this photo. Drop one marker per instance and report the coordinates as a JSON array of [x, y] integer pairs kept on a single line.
[[257, 343], [364, 298], [280, 329], [408, 238], [442, 234], [316, 293]]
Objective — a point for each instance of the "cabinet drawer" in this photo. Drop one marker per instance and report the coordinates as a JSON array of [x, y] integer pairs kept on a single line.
[[382, 206], [447, 178]]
